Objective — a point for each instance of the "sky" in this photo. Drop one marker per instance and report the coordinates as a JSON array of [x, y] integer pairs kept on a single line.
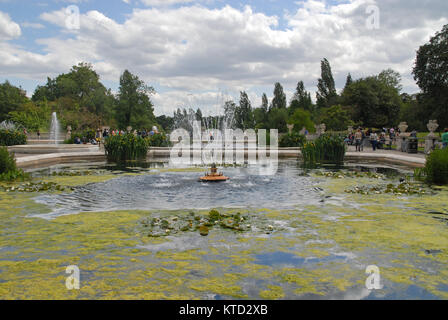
[[200, 53]]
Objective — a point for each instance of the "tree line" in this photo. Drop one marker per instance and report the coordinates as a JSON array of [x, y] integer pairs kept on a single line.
[[376, 101]]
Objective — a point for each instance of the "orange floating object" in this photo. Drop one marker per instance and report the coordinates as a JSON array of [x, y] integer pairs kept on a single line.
[[213, 176]]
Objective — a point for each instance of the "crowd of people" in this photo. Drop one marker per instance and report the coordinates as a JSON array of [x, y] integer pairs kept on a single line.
[[379, 139]]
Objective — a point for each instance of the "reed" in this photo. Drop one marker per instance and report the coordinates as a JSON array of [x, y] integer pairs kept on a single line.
[[327, 149], [126, 147]]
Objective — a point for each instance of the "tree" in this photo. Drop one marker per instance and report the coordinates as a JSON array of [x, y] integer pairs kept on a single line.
[[243, 114], [135, 109], [83, 88], [11, 98], [277, 119], [199, 115], [229, 114], [301, 99], [279, 100], [391, 78], [337, 118], [166, 123], [431, 73], [261, 113], [301, 119], [349, 81], [326, 94], [373, 102]]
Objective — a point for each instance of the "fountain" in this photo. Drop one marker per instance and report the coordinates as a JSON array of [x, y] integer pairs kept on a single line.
[[54, 129], [213, 176]]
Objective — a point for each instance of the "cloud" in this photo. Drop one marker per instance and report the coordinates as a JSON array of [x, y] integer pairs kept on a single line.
[[8, 28], [32, 25], [155, 3], [201, 51]]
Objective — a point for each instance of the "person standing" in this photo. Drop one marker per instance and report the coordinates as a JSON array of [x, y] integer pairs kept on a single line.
[[374, 140], [445, 138], [358, 140], [38, 134]]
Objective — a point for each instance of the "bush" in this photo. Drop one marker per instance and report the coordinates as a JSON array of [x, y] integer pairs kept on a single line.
[[126, 147], [12, 137], [293, 139], [436, 168], [8, 168], [325, 149], [158, 140]]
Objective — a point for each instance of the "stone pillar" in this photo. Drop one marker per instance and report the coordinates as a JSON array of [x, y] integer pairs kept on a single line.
[[431, 138], [290, 127], [401, 141], [69, 133]]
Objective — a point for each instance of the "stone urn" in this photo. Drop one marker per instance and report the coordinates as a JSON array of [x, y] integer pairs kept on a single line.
[[432, 127], [128, 129], [69, 133], [431, 138], [290, 127], [403, 126]]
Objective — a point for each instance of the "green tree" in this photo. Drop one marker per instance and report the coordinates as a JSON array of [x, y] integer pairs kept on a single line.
[[337, 118], [82, 86], [199, 115], [301, 119], [279, 100], [373, 102], [11, 98], [326, 90], [277, 119], [261, 113], [244, 118], [391, 78], [431, 73], [349, 80], [135, 108], [301, 99]]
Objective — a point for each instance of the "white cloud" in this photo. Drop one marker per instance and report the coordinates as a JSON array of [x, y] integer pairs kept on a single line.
[[199, 51], [8, 28], [155, 3]]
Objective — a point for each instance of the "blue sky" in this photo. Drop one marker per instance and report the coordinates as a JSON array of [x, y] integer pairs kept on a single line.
[[200, 53]]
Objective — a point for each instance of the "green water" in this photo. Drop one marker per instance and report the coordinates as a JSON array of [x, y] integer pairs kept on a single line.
[[316, 245]]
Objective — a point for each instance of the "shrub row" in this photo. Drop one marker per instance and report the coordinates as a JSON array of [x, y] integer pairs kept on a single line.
[[436, 168], [12, 137]]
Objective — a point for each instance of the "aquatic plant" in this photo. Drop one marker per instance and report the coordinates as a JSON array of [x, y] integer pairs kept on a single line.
[[36, 187], [8, 167], [436, 168], [159, 140], [350, 174], [329, 149], [164, 226], [125, 147], [12, 137], [404, 188]]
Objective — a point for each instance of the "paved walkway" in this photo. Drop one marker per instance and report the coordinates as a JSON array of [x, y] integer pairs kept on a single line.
[[390, 156]]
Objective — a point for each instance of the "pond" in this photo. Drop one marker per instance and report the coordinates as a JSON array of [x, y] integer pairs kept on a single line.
[[155, 232]]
